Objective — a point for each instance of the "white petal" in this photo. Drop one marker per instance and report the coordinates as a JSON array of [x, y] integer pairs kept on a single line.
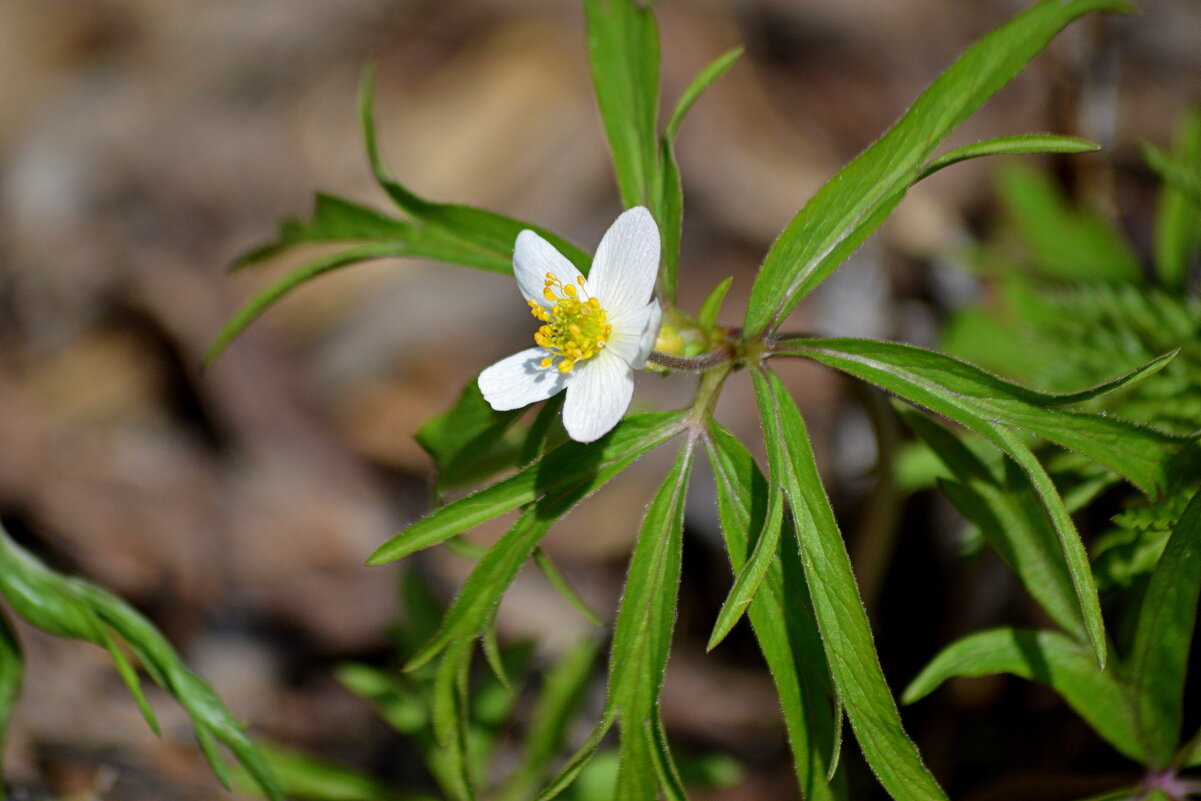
[[533, 258], [597, 397], [634, 334], [626, 263], [519, 380], [650, 335]]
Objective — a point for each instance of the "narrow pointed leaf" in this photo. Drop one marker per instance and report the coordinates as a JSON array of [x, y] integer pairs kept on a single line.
[[768, 540], [208, 747], [1177, 219], [449, 703], [1184, 178], [670, 783], [1075, 557], [846, 633], [1002, 504], [560, 696], [811, 247], [579, 760], [704, 79], [571, 471], [12, 668], [464, 228], [490, 645], [971, 396], [1190, 756], [563, 587], [623, 50], [1026, 144], [266, 298], [306, 776], [1049, 658], [545, 432], [711, 308], [642, 633], [1164, 632], [473, 608], [68, 607], [334, 219], [467, 441], [667, 198], [746, 585], [129, 677], [781, 616], [1067, 241], [667, 207]]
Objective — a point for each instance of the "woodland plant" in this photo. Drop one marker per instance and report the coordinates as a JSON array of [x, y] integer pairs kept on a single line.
[[600, 318]]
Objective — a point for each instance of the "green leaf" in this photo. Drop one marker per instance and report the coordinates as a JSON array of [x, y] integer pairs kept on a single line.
[[1075, 557], [641, 643], [129, 677], [467, 441], [707, 318], [1067, 243], [670, 781], [334, 219], [544, 434], [266, 298], [1047, 657], [472, 610], [706, 78], [623, 49], [642, 634], [491, 236], [1159, 661], [781, 615], [560, 697], [977, 399], [1000, 501], [846, 633], [1190, 755], [11, 669], [1025, 144], [449, 704], [305, 776], [68, 607], [401, 708], [767, 541], [564, 475], [667, 202], [564, 588], [568, 773], [1184, 178], [851, 204], [667, 207], [1177, 220]]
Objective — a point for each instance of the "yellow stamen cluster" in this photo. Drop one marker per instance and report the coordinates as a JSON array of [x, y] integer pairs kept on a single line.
[[575, 327]]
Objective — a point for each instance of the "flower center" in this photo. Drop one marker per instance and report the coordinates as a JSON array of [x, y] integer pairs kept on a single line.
[[574, 329]]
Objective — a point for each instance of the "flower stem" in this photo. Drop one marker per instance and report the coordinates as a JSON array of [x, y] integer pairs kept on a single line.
[[706, 397], [691, 364]]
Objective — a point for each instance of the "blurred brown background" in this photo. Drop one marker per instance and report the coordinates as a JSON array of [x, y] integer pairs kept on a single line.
[[146, 143]]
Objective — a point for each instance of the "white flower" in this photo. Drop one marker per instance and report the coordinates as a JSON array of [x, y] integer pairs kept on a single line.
[[596, 331]]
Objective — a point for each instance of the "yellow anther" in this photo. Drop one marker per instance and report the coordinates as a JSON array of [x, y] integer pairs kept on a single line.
[[576, 326]]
